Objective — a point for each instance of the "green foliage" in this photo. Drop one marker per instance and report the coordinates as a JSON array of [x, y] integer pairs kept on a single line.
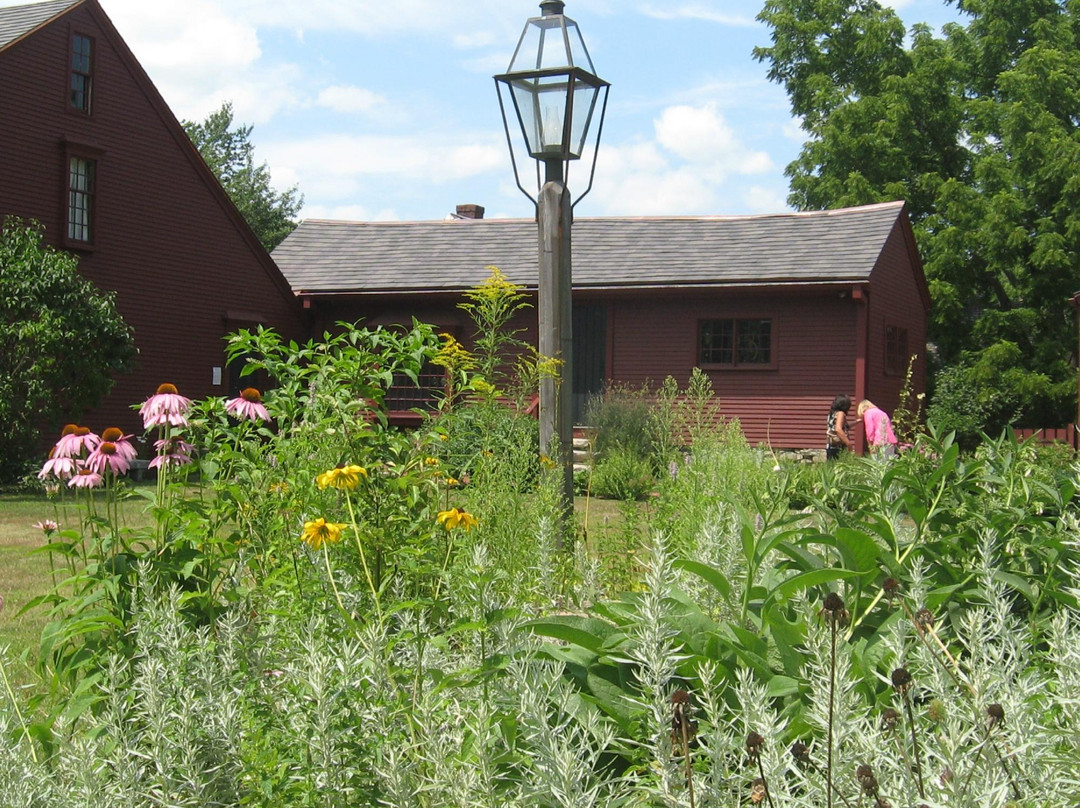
[[61, 342], [975, 130], [620, 473], [230, 154], [621, 417], [416, 657]]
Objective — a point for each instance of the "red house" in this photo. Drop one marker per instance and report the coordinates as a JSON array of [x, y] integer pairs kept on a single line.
[[90, 150], [782, 311]]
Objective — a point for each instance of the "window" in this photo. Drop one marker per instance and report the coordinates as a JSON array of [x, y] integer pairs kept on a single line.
[[896, 350], [736, 343], [81, 78], [80, 199]]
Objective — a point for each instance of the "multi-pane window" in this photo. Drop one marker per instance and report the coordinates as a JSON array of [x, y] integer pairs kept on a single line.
[[735, 342], [896, 350], [81, 79], [80, 198]]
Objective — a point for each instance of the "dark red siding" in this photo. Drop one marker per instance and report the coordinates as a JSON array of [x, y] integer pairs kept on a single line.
[[185, 268], [896, 298]]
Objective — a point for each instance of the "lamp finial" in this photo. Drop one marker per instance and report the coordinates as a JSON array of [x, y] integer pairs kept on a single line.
[[552, 7]]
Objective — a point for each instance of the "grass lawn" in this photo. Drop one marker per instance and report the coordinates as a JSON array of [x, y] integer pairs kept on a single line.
[[25, 575]]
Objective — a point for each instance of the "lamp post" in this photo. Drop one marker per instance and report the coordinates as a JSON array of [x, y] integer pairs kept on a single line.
[[554, 90]]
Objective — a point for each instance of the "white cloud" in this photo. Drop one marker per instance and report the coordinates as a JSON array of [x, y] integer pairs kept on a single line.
[[699, 11], [686, 168], [349, 213], [701, 136], [338, 166], [340, 98], [765, 200]]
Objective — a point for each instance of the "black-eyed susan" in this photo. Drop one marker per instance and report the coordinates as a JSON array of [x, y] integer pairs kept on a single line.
[[455, 517], [320, 532], [345, 476]]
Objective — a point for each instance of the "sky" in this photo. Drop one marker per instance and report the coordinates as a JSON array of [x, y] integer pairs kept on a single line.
[[387, 110]]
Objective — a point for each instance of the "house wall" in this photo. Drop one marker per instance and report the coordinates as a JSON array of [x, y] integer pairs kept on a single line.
[[785, 406], [184, 266], [655, 335], [895, 300]]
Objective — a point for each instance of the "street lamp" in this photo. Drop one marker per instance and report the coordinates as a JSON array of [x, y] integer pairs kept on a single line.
[[554, 90]]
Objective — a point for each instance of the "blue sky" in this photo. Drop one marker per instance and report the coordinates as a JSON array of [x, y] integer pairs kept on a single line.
[[387, 110]]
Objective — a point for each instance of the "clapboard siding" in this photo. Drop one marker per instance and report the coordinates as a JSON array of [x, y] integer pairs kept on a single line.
[[895, 299], [166, 238]]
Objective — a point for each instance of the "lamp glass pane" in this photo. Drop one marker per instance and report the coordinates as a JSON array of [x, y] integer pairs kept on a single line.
[[542, 46], [583, 104], [579, 55], [541, 105]]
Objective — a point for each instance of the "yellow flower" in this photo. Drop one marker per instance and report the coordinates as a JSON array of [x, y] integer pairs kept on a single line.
[[341, 477], [321, 532], [444, 436], [547, 462], [451, 482], [431, 461], [456, 517]]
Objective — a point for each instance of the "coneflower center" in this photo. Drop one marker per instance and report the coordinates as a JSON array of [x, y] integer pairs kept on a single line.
[[112, 434], [251, 394], [107, 448], [167, 388]]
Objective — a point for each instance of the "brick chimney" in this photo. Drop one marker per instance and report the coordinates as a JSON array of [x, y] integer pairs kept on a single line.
[[470, 212]]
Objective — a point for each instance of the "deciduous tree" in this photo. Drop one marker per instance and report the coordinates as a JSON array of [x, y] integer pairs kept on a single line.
[[231, 156], [61, 341], [977, 128]]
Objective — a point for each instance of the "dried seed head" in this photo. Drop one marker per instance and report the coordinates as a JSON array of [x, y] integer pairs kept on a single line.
[[867, 782], [754, 742], [881, 802], [937, 711], [834, 611], [889, 718], [683, 728], [901, 679], [996, 713], [758, 791], [924, 618], [891, 587], [800, 751], [834, 603]]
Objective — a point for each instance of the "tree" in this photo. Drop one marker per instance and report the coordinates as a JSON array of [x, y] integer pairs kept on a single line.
[[230, 155], [978, 130], [61, 341]]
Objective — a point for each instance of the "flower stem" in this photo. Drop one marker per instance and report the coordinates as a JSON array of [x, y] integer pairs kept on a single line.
[[363, 558]]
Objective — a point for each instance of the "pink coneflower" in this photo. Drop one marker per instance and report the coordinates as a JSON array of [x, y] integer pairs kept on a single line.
[[171, 452], [166, 406], [86, 478], [248, 405], [124, 447], [47, 526], [59, 467], [108, 457], [74, 441]]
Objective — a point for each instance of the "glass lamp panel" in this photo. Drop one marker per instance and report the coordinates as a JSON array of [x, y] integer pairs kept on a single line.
[[583, 105], [541, 46], [579, 54], [541, 105]]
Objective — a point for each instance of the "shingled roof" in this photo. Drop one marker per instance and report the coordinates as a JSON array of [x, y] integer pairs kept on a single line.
[[324, 257], [17, 21]]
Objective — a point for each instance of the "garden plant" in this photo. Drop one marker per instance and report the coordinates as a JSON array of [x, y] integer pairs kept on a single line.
[[329, 611]]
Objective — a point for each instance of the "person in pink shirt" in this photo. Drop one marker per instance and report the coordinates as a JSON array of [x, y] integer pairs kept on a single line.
[[879, 432]]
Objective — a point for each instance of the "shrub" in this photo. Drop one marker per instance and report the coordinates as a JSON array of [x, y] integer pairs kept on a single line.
[[621, 473]]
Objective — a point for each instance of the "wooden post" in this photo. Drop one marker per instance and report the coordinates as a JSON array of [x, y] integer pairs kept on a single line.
[[554, 216]]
